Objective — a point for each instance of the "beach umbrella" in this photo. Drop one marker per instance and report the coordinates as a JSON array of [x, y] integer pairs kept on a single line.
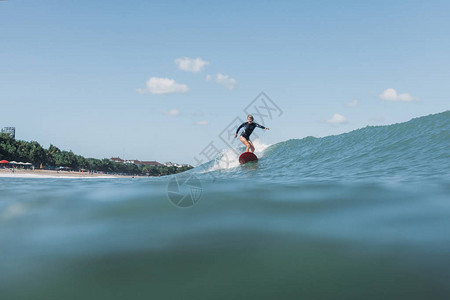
[[28, 164], [13, 162], [4, 161]]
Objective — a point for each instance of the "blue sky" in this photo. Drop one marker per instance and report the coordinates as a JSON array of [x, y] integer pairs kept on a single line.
[[74, 73]]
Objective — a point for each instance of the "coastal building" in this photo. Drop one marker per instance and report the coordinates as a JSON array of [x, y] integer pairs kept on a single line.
[[117, 159], [131, 161], [148, 163], [10, 130]]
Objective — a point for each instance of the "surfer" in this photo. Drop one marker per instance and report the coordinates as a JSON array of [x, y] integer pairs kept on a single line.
[[245, 135]]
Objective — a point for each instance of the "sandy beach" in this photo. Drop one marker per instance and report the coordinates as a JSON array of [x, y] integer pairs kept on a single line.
[[21, 173]]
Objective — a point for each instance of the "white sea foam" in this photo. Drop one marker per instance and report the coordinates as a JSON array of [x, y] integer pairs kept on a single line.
[[260, 147], [229, 158]]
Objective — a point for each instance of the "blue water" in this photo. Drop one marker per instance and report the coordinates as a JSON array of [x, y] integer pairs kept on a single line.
[[362, 215]]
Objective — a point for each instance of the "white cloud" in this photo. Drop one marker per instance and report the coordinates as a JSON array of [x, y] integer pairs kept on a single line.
[[224, 80], [337, 119], [202, 123], [173, 112], [392, 95], [352, 103], [188, 64], [160, 86]]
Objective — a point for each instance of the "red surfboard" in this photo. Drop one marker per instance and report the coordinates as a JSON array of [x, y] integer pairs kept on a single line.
[[246, 157]]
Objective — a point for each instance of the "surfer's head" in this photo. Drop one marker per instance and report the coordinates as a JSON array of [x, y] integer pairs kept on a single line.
[[250, 118]]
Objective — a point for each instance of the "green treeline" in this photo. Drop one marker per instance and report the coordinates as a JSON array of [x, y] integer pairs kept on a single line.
[[17, 150]]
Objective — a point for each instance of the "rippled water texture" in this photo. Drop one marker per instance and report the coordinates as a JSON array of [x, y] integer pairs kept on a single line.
[[362, 215]]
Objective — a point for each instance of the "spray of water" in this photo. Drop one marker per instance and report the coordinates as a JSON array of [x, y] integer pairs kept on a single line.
[[229, 158]]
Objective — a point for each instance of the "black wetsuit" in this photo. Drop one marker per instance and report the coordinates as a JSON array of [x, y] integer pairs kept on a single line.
[[249, 127]]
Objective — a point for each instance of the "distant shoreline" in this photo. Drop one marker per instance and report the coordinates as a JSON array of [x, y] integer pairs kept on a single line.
[[21, 173]]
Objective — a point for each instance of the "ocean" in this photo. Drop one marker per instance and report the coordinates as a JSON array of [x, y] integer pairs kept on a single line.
[[361, 215]]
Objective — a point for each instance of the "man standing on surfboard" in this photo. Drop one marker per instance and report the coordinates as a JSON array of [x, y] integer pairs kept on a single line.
[[245, 135]]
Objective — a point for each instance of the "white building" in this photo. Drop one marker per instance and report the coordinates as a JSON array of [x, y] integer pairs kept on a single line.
[[10, 130]]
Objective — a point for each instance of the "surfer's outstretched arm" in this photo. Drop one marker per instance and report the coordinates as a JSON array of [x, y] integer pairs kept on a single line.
[[260, 126]]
